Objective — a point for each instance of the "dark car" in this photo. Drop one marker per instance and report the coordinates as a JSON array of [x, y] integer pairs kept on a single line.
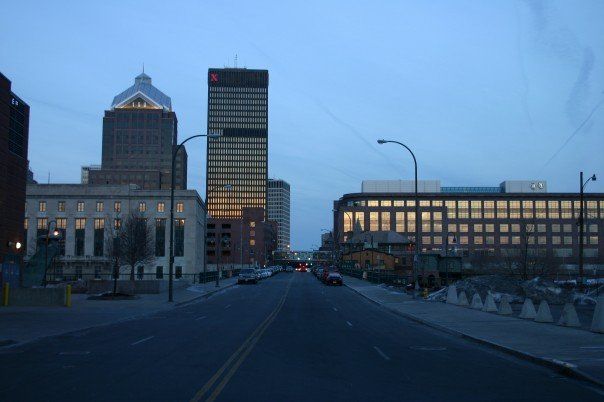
[[247, 275], [334, 278]]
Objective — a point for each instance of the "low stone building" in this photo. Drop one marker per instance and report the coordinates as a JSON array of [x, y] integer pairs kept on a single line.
[[85, 214]]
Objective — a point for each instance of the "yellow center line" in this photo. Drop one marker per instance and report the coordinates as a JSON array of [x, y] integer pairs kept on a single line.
[[249, 344]]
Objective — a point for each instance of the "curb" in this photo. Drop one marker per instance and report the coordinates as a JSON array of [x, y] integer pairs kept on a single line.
[[204, 295], [561, 367], [10, 344]]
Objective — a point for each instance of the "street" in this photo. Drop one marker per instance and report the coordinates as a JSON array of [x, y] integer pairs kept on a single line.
[[289, 338]]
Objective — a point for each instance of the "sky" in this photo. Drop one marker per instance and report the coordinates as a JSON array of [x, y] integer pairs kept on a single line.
[[481, 91]]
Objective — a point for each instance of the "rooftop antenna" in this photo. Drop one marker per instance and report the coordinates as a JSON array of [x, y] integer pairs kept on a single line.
[[235, 60], [143, 67]]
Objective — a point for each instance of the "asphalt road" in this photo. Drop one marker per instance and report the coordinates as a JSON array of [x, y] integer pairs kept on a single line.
[[289, 338]]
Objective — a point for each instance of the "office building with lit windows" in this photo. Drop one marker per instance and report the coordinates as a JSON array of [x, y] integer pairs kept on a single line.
[[87, 216], [139, 133], [498, 222], [278, 210], [238, 110], [14, 139]]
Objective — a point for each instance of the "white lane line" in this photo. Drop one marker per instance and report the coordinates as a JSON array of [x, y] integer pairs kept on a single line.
[[200, 318], [335, 309], [381, 353], [349, 324], [142, 340], [227, 306], [75, 353]]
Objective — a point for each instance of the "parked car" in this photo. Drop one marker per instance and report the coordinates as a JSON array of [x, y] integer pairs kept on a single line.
[[289, 268], [247, 275], [334, 278]]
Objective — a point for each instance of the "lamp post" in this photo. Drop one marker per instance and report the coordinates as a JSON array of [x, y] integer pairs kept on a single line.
[[582, 185], [55, 234], [228, 187], [171, 261], [447, 254], [417, 220]]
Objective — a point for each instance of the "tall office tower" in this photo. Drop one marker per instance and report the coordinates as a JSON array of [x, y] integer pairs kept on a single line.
[[14, 136], [138, 136], [238, 110], [278, 210]]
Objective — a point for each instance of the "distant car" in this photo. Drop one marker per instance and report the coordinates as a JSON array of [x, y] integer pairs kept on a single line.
[[247, 275], [319, 273], [289, 268], [334, 278]]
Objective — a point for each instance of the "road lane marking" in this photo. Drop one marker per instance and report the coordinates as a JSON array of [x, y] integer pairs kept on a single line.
[[142, 340], [227, 306], [200, 318], [381, 353], [349, 324], [335, 309], [240, 354], [74, 353], [428, 348]]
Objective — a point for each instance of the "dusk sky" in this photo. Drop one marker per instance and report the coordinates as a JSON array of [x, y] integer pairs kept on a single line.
[[482, 91]]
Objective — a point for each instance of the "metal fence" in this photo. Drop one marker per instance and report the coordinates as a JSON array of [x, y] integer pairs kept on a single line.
[[210, 276], [376, 276]]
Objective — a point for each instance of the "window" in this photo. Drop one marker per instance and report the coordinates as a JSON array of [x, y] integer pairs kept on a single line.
[[373, 221], [386, 203], [489, 228], [399, 203], [478, 240], [179, 237], [117, 206], [80, 206], [553, 209], [515, 228], [99, 234], [462, 209], [463, 240], [424, 203], [142, 206], [80, 236], [451, 211], [400, 222], [61, 206], [161, 207], [556, 240], [463, 228], [373, 203], [593, 228], [556, 228], [100, 206], [514, 209], [385, 222], [489, 209], [593, 240], [160, 237], [359, 219], [178, 272], [490, 240], [502, 209], [117, 223], [159, 272], [527, 209], [252, 224], [515, 239], [476, 209], [504, 240], [566, 207], [252, 242], [426, 240], [410, 222], [452, 227], [180, 207], [42, 206], [478, 228], [568, 240], [540, 210], [541, 228], [568, 228]]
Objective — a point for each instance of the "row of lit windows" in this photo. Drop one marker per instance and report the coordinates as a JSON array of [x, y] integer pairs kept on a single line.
[[236, 125], [117, 206], [515, 240], [238, 89]]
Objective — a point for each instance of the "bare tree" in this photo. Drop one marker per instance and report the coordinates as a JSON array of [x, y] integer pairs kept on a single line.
[[113, 235], [136, 242]]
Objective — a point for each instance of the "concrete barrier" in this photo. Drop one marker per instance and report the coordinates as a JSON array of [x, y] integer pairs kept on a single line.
[[452, 295], [36, 297], [544, 314], [528, 310], [569, 316], [504, 306], [476, 302], [463, 299], [489, 304], [597, 322]]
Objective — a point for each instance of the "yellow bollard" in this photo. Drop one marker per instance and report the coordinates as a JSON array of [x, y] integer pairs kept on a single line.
[[68, 296], [5, 292], [425, 293]]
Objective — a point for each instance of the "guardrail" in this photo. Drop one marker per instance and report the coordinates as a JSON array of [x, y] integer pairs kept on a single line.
[[376, 276]]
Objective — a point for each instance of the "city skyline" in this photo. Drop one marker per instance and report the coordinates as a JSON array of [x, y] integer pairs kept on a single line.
[[526, 106]]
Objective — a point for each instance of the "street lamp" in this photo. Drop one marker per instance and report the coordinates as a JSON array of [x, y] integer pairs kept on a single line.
[[227, 187], [417, 220], [171, 262], [582, 185]]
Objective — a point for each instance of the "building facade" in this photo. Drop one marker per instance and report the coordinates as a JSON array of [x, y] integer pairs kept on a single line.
[[278, 210], [238, 110], [86, 215], [139, 134], [14, 138], [503, 222], [241, 242]]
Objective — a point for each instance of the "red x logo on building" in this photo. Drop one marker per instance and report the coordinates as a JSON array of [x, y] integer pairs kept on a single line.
[[214, 77]]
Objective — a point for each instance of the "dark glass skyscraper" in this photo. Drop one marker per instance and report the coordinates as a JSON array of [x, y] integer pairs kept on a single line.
[[138, 136], [237, 109]]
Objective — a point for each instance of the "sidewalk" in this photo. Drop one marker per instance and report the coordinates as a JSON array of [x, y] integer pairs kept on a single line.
[[24, 324], [573, 352]]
